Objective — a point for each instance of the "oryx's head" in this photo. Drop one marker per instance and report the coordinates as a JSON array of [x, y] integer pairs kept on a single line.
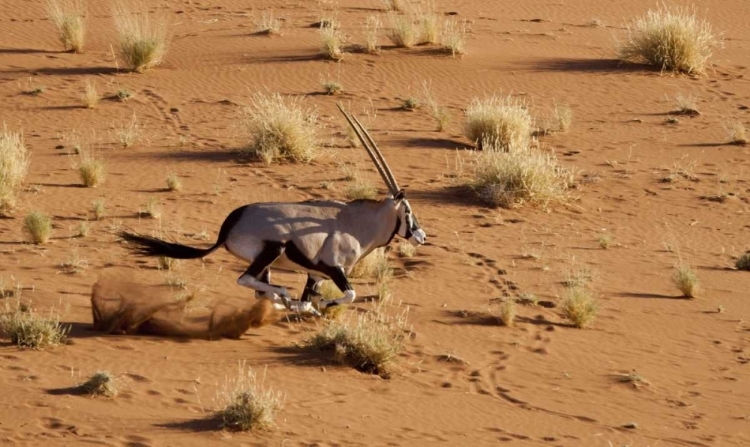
[[408, 226]]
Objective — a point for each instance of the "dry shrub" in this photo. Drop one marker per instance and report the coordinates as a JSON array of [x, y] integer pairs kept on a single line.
[[142, 39], [370, 341], [268, 24], [246, 403], [430, 24], [737, 133], [686, 280], [563, 115], [440, 114], [403, 31], [91, 169], [687, 104], [579, 306], [69, 17], [743, 262], [90, 97], [38, 227], [173, 182], [373, 266], [671, 38], [332, 87], [406, 250], [101, 383], [361, 189], [98, 206], [372, 31], [331, 41], [453, 37], [27, 329], [501, 120], [517, 176], [505, 312], [127, 134], [280, 128], [14, 165]]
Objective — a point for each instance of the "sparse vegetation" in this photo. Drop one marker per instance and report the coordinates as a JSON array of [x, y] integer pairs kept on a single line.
[[563, 117], [686, 280], [505, 312], [440, 114], [518, 176], [453, 37], [687, 104], [499, 120], [27, 329], [174, 183], [332, 87], [246, 403], [129, 133], [83, 229], [268, 24], [90, 97], [737, 133], [142, 38], [151, 209], [605, 241], [99, 209], [101, 383], [370, 341], [38, 227], [410, 103], [671, 38], [579, 306], [406, 250], [429, 24], [633, 378], [91, 169], [372, 31], [280, 128], [394, 5], [74, 264], [124, 94], [361, 189], [14, 164], [374, 266], [402, 30], [331, 41], [35, 91], [743, 262], [69, 17]]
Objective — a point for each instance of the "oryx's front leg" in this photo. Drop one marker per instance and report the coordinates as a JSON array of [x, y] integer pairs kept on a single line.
[[257, 276], [338, 276]]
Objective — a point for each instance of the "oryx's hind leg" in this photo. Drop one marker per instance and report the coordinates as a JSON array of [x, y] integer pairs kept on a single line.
[[259, 271], [342, 282], [266, 278], [311, 288]]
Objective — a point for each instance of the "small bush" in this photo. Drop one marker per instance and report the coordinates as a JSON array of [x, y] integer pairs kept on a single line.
[[686, 280], [370, 342], [99, 209], [101, 383], [373, 266], [173, 182], [673, 39], [129, 133], [246, 403], [410, 103], [69, 17], [91, 169], [124, 95], [151, 209], [402, 30], [687, 104], [406, 250], [332, 87], [563, 117], [579, 306], [331, 41], [142, 39], [605, 241], [453, 37], [74, 264], [280, 128], [372, 31], [505, 312], [27, 329], [268, 24], [518, 176], [361, 190], [430, 25], [90, 97], [737, 133], [501, 120], [743, 262], [38, 227], [14, 164]]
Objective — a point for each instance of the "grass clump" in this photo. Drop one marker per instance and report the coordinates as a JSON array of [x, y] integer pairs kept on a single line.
[[151, 209], [246, 403], [453, 37], [69, 17], [14, 165], [174, 183], [505, 312], [280, 128], [124, 95], [402, 30], [440, 114], [331, 41], [498, 119], [373, 25], [142, 40], [737, 133], [361, 189], [430, 25], [686, 280], [90, 97], [268, 24], [332, 87], [90, 169], [411, 103], [517, 176], [406, 250], [671, 38], [579, 306], [605, 241], [27, 329], [38, 227], [743, 262], [129, 133], [101, 383], [373, 266], [369, 342], [98, 206], [687, 104]]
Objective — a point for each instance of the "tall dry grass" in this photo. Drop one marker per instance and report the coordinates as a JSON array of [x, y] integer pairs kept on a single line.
[[69, 17], [672, 38], [502, 121], [246, 403], [142, 39], [14, 165], [403, 30]]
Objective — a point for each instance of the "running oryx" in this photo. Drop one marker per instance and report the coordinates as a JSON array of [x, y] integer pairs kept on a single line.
[[324, 238]]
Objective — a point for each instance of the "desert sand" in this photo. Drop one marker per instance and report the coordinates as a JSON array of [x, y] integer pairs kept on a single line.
[[540, 382]]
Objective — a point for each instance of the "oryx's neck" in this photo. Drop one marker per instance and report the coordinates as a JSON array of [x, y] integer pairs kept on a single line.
[[374, 223]]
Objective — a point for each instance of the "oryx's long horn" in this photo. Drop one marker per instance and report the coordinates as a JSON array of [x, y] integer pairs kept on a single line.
[[373, 153], [379, 154]]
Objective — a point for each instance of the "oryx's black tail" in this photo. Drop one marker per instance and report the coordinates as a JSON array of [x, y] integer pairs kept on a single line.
[[151, 246]]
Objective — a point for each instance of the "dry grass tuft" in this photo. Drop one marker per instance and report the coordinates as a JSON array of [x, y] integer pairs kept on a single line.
[[440, 114], [332, 87], [671, 38], [14, 165], [579, 306], [91, 169], [406, 250], [518, 176], [373, 266], [142, 39], [69, 17], [505, 312], [38, 227], [743, 262], [174, 183], [453, 37], [247, 403], [605, 241], [129, 133], [98, 206], [370, 341], [361, 189], [373, 25], [151, 209], [90, 97], [101, 383], [27, 329], [430, 24], [501, 120], [737, 133], [402, 30], [686, 280], [394, 5], [268, 24], [687, 104], [331, 41], [563, 117], [280, 128]]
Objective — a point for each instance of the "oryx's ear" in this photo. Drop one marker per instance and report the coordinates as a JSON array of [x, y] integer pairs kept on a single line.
[[399, 195]]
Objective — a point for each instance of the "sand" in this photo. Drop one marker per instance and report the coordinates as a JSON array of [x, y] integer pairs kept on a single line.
[[540, 382]]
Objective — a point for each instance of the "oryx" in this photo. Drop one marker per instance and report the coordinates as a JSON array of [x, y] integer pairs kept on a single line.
[[324, 238]]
